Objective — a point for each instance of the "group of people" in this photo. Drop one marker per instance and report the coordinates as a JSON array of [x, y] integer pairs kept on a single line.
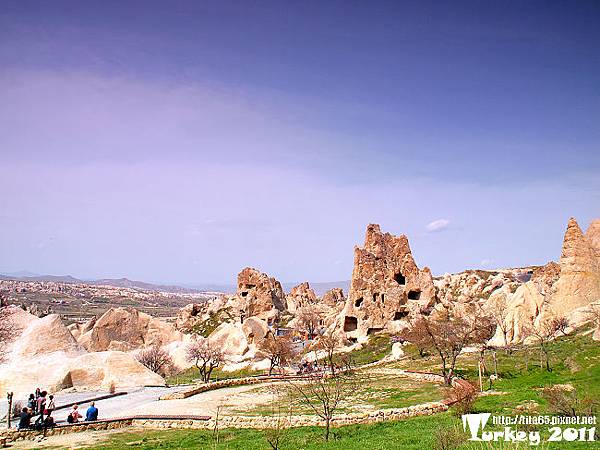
[[43, 404]]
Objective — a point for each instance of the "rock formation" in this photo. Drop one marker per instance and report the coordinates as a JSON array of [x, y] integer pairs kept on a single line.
[[333, 298], [47, 355], [258, 295], [299, 296], [124, 329], [566, 289], [387, 287]]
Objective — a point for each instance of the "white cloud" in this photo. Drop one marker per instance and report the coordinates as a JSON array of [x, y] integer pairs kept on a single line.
[[437, 225]]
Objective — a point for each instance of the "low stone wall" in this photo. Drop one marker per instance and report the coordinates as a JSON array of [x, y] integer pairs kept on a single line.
[[265, 422], [233, 382], [12, 435]]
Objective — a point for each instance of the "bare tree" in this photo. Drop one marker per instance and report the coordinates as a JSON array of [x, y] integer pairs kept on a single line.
[[278, 349], [543, 334], [323, 395], [157, 359], [448, 332], [8, 330], [498, 312], [205, 357], [568, 402], [309, 320], [276, 436], [560, 324], [328, 343]]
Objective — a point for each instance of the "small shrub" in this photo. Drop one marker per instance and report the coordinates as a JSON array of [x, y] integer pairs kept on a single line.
[[566, 401], [462, 396], [447, 439]]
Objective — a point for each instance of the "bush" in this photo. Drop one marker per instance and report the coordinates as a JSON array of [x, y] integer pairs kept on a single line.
[[462, 396], [447, 439], [566, 401]]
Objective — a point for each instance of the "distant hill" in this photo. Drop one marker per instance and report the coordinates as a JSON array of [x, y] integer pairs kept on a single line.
[[117, 282], [23, 275]]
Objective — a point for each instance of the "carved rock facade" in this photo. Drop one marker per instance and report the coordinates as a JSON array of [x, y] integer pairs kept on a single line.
[[387, 287]]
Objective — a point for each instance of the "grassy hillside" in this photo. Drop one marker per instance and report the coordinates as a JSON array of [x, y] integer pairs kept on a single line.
[[575, 362]]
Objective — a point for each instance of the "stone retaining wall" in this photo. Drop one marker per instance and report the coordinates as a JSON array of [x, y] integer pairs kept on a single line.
[[265, 422], [233, 382]]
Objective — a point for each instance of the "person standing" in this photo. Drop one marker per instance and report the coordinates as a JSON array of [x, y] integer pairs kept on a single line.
[[50, 406], [41, 405]]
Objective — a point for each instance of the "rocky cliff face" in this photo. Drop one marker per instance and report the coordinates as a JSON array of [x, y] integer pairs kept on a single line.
[[387, 287], [258, 295], [124, 329], [300, 296], [566, 289], [334, 297]]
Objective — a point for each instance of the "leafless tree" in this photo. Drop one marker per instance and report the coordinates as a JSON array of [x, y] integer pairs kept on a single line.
[[278, 349], [328, 342], [560, 324], [449, 331], [309, 319], [323, 395], [543, 334], [498, 312], [568, 402], [205, 357], [8, 330], [157, 359], [276, 436]]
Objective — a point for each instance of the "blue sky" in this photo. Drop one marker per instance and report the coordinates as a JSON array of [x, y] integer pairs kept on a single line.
[[182, 141]]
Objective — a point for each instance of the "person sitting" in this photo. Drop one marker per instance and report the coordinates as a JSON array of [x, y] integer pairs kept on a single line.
[[49, 421], [25, 419], [74, 415], [92, 413]]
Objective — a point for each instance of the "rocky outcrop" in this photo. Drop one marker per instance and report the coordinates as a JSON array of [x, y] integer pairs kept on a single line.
[[333, 298], [387, 287], [43, 336], [579, 281], [300, 296], [258, 295], [46, 355], [124, 329], [555, 290]]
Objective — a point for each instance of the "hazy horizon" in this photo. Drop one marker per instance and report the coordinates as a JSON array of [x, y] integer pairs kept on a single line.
[[180, 142]]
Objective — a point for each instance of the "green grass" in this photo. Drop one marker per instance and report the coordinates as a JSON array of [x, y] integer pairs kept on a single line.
[[378, 346], [192, 375], [575, 360]]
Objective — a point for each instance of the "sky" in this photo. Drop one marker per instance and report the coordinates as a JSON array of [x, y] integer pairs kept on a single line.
[[180, 141]]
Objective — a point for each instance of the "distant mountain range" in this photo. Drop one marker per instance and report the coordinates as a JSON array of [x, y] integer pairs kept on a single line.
[[24, 275], [116, 282]]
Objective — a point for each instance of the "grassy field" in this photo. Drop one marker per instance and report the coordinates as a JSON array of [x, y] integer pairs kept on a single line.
[[575, 362]]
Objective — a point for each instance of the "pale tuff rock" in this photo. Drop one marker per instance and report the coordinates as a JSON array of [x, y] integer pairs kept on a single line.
[[300, 296], [43, 336], [475, 285], [387, 287], [333, 298], [557, 290], [579, 281], [192, 316], [593, 236], [125, 329], [258, 295], [47, 354]]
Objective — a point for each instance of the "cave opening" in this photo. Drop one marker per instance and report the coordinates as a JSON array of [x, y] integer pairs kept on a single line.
[[400, 279], [414, 295], [358, 302], [399, 315], [350, 323], [371, 331]]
